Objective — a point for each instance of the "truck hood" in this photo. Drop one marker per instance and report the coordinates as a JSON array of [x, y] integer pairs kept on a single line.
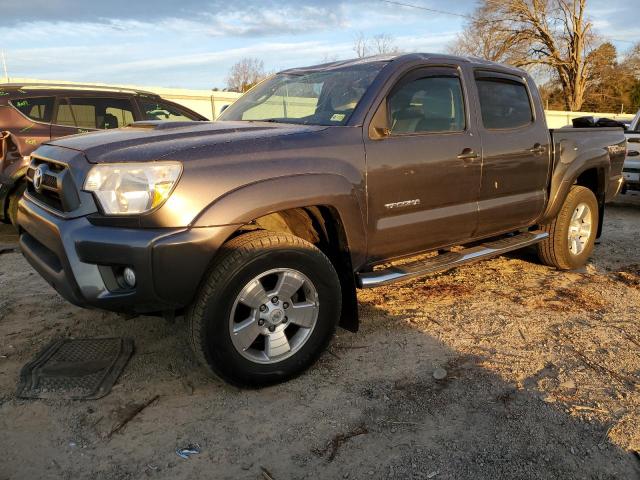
[[157, 140]]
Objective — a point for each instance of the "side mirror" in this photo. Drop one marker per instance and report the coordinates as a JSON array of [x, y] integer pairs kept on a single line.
[[224, 107], [379, 126], [381, 132]]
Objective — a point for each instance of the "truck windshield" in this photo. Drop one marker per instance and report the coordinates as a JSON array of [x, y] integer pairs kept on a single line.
[[314, 98]]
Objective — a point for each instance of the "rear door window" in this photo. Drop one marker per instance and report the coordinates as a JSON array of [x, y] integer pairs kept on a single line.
[[38, 109], [504, 103], [94, 113], [157, 110]]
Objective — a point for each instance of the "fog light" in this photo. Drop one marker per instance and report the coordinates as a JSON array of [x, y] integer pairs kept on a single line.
[[129, 276]]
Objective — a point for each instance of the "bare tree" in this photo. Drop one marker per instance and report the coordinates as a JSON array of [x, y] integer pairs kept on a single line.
[[329, 58], [632, 60], [381, 44], [480, 39], [361, 45], [384, 44], [555, 34], [244, 74]]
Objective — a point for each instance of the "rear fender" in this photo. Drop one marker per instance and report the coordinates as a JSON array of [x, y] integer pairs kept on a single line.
[[567, 170]]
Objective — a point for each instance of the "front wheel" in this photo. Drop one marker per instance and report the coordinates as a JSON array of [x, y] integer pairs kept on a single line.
[[572, 233], [267, 310]]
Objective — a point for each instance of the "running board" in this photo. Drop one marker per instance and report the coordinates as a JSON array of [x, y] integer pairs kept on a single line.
[[449, 260]]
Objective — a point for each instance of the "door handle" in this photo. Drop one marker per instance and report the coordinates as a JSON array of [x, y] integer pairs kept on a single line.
[[537, 148], [468, 154]]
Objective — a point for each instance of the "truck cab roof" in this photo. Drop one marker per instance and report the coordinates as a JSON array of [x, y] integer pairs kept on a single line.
[[405, 58]]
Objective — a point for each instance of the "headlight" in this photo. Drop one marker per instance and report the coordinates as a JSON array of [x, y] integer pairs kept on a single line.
[[130, 188]]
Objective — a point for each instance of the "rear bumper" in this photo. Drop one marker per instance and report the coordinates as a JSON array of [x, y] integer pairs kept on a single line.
[[81, 260], [615, 187]]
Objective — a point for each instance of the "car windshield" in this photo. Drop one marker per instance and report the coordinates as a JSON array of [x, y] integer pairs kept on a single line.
[[316, 98]]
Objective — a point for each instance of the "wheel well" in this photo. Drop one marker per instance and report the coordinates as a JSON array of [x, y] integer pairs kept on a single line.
[[594, 180], [16, 186], [323, 227]]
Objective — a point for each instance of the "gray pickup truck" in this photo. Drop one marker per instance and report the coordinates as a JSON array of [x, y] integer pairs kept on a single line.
[[260, 226]]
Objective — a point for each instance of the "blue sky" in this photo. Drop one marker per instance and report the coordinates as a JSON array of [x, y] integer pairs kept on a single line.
[[192, 44]]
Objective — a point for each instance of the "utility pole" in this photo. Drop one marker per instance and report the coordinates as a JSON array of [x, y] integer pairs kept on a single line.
[[4, 66]]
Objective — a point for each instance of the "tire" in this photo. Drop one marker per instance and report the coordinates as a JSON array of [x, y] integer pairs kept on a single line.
[[557, 250], [219, 308], [14, 198]]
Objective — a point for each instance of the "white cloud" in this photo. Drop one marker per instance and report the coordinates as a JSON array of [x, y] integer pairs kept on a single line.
[[269, 22], [194, 43]]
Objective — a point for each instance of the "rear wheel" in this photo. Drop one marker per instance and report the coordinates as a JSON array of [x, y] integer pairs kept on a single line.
[[14, 198], [572, 233], [267, 310]]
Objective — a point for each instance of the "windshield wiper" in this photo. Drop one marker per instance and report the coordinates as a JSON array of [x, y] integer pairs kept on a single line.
[[267, 120]]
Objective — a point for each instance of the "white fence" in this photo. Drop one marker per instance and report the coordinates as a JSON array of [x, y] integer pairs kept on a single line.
[[206, 102], [558, 119], [210, 103]]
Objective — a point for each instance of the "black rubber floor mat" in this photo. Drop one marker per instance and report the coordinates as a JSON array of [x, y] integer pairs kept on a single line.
[[76, 369]]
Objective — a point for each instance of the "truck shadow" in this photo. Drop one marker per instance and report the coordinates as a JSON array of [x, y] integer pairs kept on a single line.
[[476, 422]]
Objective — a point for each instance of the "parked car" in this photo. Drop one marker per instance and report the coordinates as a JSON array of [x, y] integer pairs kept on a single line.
[[260, 226], [631, 168], [34, 113]]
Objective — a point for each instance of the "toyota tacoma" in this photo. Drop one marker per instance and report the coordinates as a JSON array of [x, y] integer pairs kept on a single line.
[[260, 227]]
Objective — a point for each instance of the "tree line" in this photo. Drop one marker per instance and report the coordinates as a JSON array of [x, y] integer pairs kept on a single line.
[[554, 40], [249, 71]]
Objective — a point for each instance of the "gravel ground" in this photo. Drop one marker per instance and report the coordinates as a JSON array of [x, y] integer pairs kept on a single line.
[[541, 380]]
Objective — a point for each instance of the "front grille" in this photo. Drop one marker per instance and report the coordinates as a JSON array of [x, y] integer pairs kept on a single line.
[[631, 170], [57, 189]]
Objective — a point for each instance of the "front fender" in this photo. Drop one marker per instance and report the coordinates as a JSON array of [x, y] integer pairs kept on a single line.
[[246, 203]]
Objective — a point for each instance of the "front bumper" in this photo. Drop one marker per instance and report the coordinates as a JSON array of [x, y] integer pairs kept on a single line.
[[81, 260]]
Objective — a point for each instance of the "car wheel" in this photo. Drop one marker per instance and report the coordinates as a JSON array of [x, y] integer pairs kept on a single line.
[[14, 198], [267, 309], [572, 233]]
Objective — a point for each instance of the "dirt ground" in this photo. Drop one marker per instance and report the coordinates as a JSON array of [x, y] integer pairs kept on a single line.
[[542, 381]]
